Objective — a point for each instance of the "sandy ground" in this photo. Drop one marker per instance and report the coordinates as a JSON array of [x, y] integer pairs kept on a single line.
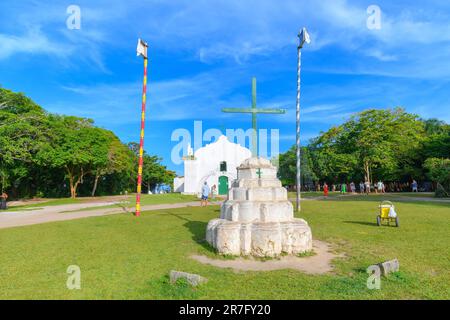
[[317, 264], [60, 213]]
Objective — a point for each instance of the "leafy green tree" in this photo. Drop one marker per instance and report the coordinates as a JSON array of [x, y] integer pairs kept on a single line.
[[23, 131], [118, 159], [438, 170], [437, 140], [77, 147], [382, 139], [155, 173], [288, 167], [330, 161], [373, 140]]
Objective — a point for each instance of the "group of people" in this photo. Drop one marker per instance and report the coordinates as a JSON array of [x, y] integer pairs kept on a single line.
[[366, 187]]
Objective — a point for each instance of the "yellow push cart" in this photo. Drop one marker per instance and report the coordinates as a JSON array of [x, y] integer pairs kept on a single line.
[[387, 214]]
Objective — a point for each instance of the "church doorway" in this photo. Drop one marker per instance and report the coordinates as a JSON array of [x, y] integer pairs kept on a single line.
[[223, 185]]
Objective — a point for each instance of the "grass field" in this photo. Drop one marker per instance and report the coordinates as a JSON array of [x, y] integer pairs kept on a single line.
[[123, 257]]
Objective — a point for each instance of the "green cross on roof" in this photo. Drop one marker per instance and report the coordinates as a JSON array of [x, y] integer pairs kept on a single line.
[[253, 110], [259, 173]]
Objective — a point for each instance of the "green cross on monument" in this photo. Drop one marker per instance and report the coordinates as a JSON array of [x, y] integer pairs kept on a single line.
[[259, 173], [253, 110]]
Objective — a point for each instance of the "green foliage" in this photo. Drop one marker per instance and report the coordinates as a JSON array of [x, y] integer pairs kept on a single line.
[[41, 152], [438, 170], [288, 165], [437, 142], [154, 173], [23, 131], [440, 191], [390, 145]]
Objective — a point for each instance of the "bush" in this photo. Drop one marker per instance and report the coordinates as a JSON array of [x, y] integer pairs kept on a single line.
[[440, 191]]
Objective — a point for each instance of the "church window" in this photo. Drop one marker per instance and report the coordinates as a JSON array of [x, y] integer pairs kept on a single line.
[[223, 166]]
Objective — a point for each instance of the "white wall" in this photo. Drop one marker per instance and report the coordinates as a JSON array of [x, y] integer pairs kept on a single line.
[[206, 165], [190, 176], [178, 184]]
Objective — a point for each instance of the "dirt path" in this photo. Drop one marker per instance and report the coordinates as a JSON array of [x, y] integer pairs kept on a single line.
[[61, 213], [319, 263]]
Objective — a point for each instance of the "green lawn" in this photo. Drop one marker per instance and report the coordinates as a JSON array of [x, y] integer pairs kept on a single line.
[[123, 257]]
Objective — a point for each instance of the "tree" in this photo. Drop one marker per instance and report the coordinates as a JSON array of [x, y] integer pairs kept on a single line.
[[39, 152], [438, 170], [153, 172], [383, 139], [288, 167], [77, 148], [381, 144], [23, 131], [118, 159], [374, 140], [331, 162], [437, 141]]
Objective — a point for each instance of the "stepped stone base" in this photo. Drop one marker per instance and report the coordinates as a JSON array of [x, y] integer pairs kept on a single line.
[[257, 218], [261, 239]]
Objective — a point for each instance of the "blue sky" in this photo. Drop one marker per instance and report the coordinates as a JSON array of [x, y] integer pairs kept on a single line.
[[204, 53]]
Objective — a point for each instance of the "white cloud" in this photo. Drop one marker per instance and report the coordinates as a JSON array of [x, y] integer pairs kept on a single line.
[[213, 31], [197, 97], [33, 41]]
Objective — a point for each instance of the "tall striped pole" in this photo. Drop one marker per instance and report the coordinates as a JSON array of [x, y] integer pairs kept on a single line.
[[297, 141], [303, 37], [142, 50]]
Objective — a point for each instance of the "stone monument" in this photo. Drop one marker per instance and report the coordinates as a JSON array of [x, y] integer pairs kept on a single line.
[[257, 218]]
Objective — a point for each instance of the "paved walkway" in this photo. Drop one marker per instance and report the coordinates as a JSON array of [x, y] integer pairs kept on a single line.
[[75, 211], [45, 214]]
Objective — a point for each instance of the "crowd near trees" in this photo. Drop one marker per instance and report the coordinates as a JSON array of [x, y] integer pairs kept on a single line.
[[48, 155], [388, 145]]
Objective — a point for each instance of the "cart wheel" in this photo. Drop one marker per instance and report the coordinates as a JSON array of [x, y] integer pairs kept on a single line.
[[397, 223], [378, 221]]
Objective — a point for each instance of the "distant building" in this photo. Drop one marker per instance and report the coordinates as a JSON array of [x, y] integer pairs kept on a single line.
[[215, 163]]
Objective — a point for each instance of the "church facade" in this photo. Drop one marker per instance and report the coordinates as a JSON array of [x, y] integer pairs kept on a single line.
[[215, 163]]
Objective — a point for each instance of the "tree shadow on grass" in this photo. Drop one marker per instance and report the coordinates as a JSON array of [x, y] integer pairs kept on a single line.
[[364, 223], [198, 231]]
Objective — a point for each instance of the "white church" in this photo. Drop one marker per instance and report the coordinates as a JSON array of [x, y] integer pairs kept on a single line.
[[215, 163]]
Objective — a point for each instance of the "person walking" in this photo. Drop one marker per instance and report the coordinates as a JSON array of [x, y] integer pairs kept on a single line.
[[343, 188], [380, 186], [205, 194], [325, 189], [367, 185], [213, 191], [352, 187], [361, 187], [414, 186]]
